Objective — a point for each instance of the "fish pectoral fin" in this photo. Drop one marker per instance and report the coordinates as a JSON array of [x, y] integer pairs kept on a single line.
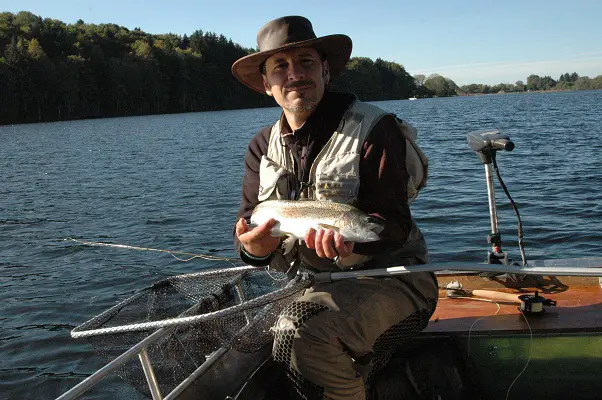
[[288, 244], [326, 226], [276, 232]]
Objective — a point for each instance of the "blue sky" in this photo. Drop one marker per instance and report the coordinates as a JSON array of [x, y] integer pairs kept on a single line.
[[468, 41]]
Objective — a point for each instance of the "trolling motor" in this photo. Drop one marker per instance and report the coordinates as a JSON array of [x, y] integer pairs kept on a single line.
[[486, 144]]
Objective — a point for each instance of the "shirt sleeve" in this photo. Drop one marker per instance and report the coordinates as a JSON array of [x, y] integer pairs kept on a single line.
[[250, 181], [383, 186]]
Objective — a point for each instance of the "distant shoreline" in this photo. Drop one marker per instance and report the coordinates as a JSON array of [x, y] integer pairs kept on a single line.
[[526, 92]]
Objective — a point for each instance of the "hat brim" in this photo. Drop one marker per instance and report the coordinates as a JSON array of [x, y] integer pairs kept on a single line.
[[336, 48]]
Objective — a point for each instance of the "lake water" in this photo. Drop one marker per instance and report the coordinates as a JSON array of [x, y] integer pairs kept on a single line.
[[173, 182]]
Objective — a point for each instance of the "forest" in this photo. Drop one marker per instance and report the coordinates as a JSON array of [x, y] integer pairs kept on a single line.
[[53, 71]]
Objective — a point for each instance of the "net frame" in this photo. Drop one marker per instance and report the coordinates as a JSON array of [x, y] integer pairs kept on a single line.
[[212, 311]]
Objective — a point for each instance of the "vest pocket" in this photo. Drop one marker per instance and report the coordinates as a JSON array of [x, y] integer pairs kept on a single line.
[[340, 190], [337, 178], [274, 181]]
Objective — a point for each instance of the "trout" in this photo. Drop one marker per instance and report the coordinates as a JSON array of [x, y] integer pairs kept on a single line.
[[295, 218]]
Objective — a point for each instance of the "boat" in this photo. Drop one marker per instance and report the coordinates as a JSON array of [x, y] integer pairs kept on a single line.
[[412, 98], [501, 329]]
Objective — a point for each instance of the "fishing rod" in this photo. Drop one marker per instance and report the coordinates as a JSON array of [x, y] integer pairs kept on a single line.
[[591, 266], [553, 267]]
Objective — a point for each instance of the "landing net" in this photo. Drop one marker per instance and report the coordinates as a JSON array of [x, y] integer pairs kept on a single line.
[[198, 313]]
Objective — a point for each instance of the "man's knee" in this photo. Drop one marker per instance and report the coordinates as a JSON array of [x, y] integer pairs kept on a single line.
[[293, 317]]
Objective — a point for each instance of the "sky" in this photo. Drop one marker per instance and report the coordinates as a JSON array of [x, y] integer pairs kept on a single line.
[[468, 41]]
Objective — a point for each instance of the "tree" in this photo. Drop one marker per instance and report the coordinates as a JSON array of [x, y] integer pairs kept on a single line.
[[28, 24], [547, 83], [35, 51], [582, 83], [419, 79], [473, 88], [519, 86], [363, 78], [197, 43], [440, 86], [184, 43], [533, 82], [15, 54], [142, 49]]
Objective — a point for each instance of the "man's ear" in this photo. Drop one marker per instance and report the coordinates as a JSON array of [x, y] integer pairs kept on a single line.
[[266, 85], [326, 72]]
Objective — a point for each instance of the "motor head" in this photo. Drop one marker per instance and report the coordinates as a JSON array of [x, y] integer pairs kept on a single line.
[[486, 143]]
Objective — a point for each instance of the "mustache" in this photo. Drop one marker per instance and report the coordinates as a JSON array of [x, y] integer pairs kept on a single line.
[[299, 84]]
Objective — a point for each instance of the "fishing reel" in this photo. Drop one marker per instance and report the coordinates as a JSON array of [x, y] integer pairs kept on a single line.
[[533, 304], [486, 144]]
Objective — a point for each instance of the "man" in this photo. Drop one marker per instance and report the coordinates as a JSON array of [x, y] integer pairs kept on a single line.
[[329, 146]]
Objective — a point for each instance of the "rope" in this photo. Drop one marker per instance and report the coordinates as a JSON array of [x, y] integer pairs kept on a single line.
[[191, 256]]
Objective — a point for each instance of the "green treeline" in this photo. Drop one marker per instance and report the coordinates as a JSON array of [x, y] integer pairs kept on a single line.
[[536, 83], [437, 86], [53, 71]]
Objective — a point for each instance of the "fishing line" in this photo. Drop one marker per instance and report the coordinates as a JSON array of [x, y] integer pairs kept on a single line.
[[285, 278], [478, 319], [530, 352], [496, 313], [170, 252]]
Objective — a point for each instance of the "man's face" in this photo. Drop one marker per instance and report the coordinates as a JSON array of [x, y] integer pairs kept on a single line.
[[296, 78]]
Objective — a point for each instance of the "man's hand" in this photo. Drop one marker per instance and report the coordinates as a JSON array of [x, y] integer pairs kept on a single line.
[[328, 243], [258, 241]]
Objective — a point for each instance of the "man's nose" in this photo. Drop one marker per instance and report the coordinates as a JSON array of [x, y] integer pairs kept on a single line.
[[295, 71]]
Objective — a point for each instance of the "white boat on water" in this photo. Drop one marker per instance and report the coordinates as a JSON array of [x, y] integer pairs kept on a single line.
[[412, 98]]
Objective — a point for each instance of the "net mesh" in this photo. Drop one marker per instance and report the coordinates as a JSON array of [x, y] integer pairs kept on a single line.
[[395, 337], [293, 316], [297, 313], [242, 304]]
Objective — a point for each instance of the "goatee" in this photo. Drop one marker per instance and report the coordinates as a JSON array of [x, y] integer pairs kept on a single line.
[[301, 105]]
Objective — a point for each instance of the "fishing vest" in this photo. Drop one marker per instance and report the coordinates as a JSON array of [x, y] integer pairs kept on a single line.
[[334, 174]]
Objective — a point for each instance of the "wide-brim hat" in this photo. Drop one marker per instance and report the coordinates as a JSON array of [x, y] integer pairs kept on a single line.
[[285, 33]]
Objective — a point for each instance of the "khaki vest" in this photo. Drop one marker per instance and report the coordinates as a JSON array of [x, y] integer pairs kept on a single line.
[[334, 174]]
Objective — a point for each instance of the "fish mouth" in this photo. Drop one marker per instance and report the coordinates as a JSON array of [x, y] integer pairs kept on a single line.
[[375, 224], [373, 234], [376, 229]]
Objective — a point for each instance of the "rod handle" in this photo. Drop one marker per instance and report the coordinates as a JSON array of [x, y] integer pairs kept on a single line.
[[494, 295]]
